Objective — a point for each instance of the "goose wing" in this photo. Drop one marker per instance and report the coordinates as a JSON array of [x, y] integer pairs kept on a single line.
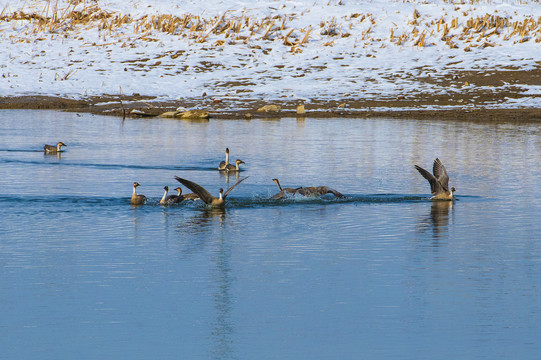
[[435, 186], [335, 193], [308, 191], [441, 174], [232, 187], [198, 189]]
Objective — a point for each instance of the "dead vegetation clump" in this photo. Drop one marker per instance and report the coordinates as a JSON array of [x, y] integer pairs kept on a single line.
[[229, 28]]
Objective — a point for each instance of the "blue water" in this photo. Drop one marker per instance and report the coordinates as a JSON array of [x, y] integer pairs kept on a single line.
[[384, 273]]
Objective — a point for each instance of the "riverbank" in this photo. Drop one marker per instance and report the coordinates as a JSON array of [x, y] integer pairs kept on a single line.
[[337, 58], [498, 95]]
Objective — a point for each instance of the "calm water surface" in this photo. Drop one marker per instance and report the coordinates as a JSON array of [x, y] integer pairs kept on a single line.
[[384, 273]]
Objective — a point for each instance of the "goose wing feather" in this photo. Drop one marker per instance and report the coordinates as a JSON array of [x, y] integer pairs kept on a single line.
[[198, 189], [441, 173], [232, 187], [335, 193], [435, 186]]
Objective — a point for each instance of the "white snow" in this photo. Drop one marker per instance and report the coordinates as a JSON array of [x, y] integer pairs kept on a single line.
[[258, 51]]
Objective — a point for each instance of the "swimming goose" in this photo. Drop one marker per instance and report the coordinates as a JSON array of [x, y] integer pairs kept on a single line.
[[223, 164], [205, 195], [231, 167], [319, 190], [135, 198], [439, 182], [51, 149], [190, 196], [176, 199], [283, 192], [169, 199]]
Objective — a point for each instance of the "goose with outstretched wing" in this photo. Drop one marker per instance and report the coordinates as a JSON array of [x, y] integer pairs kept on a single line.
[[204, 195], [439, 181]]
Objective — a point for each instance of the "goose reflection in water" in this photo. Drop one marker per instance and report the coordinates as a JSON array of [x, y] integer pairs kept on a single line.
[[202, 231], [203, 220], [438, 219], [230, 174]]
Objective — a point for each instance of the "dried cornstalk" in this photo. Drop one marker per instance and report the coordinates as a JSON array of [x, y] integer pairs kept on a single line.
[[421, 40], [264, 37], [218, 22], [305, 38]]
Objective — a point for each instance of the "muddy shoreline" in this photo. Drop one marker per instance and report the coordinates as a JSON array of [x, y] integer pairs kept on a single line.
[[141, 106]]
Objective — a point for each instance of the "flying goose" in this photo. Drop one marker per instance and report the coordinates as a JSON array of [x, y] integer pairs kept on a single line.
[[205, 195], [51, 149], [439, 182], [223, 164], [135, 198]]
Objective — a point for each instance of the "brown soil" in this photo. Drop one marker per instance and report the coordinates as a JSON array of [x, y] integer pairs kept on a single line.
[[469, 101]]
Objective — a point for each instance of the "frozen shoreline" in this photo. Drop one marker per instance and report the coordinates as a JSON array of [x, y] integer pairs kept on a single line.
[[364, 54]]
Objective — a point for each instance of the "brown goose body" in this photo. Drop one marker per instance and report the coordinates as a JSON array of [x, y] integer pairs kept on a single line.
[[53, 149], [190, 197], [177, 199], [169, 199], [137, 199], [284, 192], [319, 191], [223, 164], [439, 181], [205, 195], [231, 167]]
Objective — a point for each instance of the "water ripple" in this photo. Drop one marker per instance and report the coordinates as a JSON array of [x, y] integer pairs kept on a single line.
[[236, 202], [112, 166]]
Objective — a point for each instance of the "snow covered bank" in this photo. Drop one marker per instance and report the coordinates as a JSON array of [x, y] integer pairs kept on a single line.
[[310, 51]]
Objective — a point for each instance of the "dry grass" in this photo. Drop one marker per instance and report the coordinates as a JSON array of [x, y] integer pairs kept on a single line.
[[464, 32]]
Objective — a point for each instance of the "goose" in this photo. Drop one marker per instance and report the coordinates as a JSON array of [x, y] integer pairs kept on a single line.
[[52, 149], [283, 192], [319, 190], [439, 181], [135, 198], [231, 167], [190, 196], [205, 195], [169, 199], [176, 199], [223, 164]]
